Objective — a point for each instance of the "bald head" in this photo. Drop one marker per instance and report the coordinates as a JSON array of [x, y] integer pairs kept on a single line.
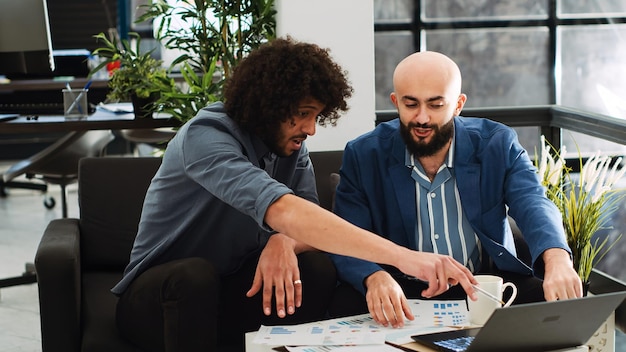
[[427, 94], [428, 69]]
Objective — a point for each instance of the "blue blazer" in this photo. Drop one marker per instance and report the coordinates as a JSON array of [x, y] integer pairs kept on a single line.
[[493, 172]]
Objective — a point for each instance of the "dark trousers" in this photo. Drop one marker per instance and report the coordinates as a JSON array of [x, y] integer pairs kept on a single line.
[[348, 301], [185, 305]]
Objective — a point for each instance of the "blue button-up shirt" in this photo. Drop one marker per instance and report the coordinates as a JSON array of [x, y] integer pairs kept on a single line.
[[442, 226]]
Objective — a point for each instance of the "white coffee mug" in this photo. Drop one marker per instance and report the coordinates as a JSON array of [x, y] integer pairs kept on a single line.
[[481, 309]]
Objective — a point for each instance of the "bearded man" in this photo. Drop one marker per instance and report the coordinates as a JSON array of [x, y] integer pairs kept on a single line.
[[434, 181]]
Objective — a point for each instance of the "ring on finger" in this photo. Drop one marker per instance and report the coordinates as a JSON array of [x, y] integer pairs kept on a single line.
[[297, 282]]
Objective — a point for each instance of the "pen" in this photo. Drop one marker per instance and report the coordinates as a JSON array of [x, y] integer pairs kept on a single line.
[[477, 288], [78, 97]]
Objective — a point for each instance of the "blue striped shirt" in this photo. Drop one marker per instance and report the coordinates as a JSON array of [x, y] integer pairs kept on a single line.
[[442, 226]]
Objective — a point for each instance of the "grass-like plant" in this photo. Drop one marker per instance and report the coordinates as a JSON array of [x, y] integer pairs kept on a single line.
[[586, 203]]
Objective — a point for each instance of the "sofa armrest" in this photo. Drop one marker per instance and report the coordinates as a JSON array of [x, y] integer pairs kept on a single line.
[[57, 263]]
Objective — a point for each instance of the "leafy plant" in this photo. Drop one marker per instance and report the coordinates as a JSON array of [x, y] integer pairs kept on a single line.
[[585, 204], [219, 34], [184, 102], [138, 71]]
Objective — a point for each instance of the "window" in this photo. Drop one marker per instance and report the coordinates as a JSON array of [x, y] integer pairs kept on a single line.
[[517, 53]]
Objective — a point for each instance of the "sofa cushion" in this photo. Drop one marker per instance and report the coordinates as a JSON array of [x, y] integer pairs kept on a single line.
[[98, 314]]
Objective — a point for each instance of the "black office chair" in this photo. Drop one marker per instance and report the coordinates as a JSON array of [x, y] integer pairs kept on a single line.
[[57, 163]]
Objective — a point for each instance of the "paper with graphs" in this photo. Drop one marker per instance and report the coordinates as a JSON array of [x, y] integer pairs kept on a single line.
[[430, 316]]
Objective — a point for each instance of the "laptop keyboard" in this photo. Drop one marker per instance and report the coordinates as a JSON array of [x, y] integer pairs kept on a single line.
[[458, 344]]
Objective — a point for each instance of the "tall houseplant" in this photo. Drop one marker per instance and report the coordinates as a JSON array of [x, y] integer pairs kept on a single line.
[[586, 203], [220, 33]]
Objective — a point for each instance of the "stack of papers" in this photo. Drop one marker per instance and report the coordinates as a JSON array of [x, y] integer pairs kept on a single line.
[[362, 332], [117, 108]]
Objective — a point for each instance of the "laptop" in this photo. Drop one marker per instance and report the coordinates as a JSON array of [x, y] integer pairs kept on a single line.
[[541, 326]]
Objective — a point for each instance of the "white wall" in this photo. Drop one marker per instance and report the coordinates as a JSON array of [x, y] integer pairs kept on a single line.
[[347, 28]]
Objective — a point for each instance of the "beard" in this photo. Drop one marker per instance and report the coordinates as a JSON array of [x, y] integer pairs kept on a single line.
[[270, 136], [271, 139], [274, 139], [441, 137]]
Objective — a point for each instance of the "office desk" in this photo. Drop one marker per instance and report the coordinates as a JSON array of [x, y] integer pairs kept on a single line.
[[100, 120]]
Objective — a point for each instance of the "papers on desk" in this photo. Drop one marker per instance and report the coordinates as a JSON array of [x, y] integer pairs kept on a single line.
[[362, 330], [127, 108], [360, 348], [117, 108], [357, 331]]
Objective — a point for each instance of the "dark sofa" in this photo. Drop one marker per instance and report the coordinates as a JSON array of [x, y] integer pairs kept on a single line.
[[79, 260]]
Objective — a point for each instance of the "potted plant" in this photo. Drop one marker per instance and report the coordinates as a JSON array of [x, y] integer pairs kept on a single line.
[[219, 33], [138, 78], [586, 203]]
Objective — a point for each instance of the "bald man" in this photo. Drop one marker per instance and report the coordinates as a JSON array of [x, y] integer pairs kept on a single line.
[[434, 181]]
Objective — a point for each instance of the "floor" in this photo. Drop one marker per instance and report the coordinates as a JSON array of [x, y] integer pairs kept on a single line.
[[23, 219]]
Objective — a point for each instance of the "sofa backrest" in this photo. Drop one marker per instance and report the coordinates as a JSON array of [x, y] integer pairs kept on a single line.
[[111, 191], [326, 164]]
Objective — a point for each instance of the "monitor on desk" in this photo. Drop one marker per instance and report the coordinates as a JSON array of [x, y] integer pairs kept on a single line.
[[25, 40]]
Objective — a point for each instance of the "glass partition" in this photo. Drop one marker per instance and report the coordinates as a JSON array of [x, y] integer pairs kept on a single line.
[[483, 10], [389, 48], [500, 66], [586, 9], [394, 10], [592, 75]]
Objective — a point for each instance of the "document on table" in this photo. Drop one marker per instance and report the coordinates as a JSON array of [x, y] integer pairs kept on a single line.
[[430, 316], [360, 348], [359, 330]]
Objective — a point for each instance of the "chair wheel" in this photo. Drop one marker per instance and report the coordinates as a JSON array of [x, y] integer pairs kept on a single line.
[[49, 202]]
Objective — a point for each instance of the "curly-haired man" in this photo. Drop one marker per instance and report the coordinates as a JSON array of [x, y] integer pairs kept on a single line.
[[229, 224]]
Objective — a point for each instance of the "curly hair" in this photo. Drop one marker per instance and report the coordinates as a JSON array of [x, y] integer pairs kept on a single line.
[[266, 87]]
